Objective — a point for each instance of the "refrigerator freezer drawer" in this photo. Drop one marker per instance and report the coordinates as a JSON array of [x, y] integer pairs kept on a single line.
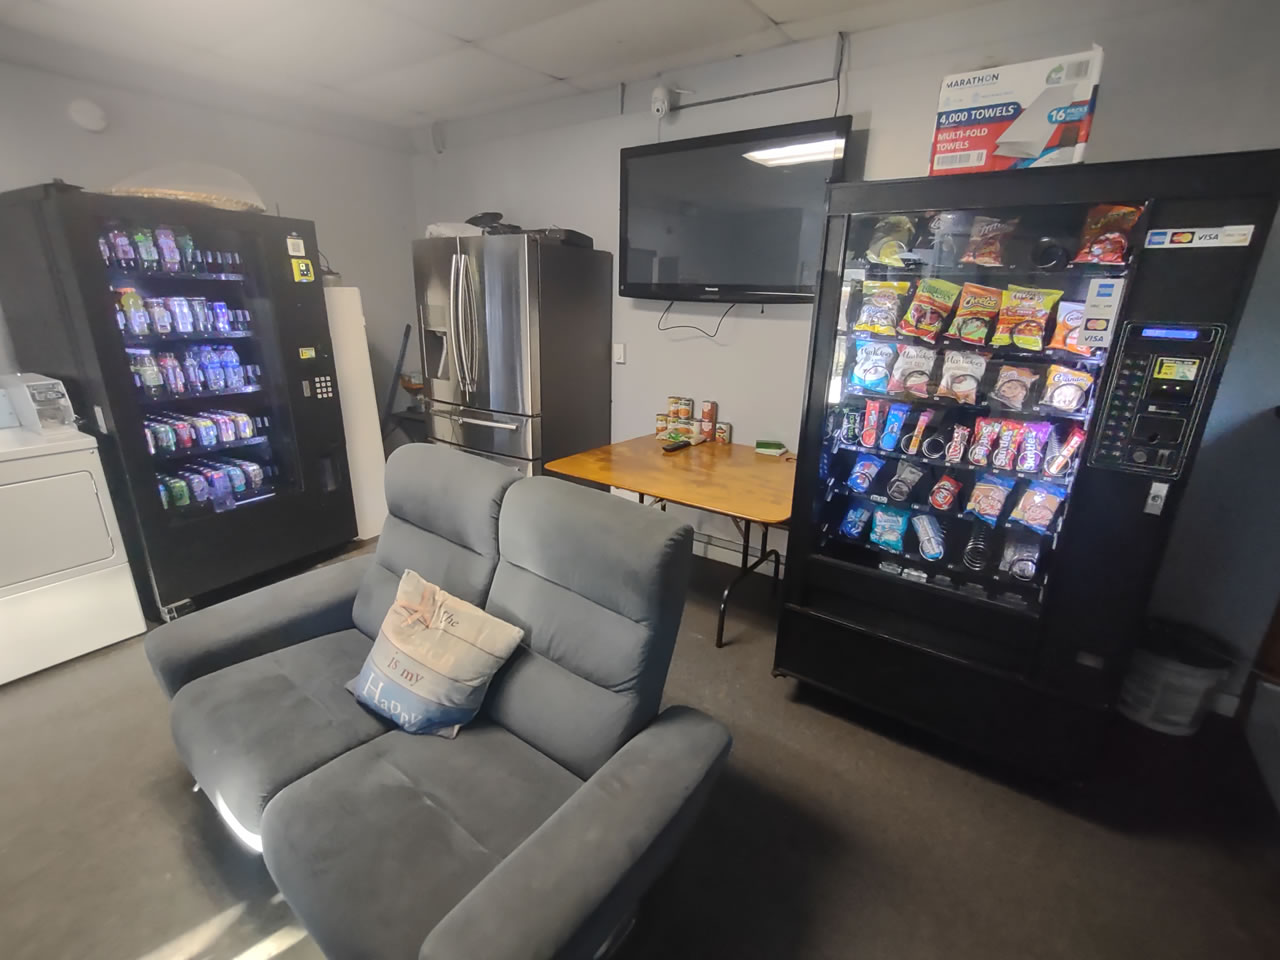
[[529, 468], [506, 434]]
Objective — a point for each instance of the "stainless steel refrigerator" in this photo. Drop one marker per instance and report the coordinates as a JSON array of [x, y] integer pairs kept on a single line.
[[514, 334]]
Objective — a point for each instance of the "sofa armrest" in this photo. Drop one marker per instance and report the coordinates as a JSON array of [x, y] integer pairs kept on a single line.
[[578, 876], [281, 615]]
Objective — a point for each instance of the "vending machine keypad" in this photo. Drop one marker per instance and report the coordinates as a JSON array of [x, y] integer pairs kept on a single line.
[[1155, 398]]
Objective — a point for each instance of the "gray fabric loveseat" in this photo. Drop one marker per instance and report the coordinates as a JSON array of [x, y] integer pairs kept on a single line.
[[536, 831]]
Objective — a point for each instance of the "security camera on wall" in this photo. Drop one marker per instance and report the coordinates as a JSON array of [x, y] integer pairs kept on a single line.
[[661, 102]]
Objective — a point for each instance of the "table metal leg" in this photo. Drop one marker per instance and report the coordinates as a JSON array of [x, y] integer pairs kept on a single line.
[[748, 567]]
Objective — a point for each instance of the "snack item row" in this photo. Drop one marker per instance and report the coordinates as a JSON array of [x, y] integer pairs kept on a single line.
[[907, 370], [897, 239], [1025, 446], [1020, 556]]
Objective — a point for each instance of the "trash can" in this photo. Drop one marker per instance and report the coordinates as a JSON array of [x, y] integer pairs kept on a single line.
[[1174, 672]]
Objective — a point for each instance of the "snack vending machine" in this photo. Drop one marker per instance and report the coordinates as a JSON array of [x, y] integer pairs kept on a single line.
[[194, 344], [1009, 378]]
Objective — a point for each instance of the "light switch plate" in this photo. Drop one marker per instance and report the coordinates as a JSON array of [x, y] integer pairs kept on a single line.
[[619, 353]]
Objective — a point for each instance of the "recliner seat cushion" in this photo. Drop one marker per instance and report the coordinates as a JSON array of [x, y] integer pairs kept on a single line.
[[251, 729], [377, 846]]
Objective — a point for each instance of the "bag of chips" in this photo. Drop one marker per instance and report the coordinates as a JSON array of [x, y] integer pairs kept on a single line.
[[988, 497], [929, 308], [904, 479], [962, 371], [1106, 233], [975, 314], [1013, 386], [1038, 505], [1024, 315], [873, 362], [913, 369], [986, 241], [888, 525], [1066, 332], [944, 492], [855, 521], [864, 471], [1066, 388], [881, 301], [889, 239]]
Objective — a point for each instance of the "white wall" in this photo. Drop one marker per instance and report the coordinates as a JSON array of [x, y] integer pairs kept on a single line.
[[358, 194], [1179, 78]]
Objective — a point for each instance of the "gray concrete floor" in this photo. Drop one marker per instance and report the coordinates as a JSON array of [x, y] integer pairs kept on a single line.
[[833, 834]]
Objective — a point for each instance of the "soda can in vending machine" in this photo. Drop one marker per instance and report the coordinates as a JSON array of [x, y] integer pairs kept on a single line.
[[151, 440], [200, 314], [221, 317], [219, 488], [252, 474], [183, 430], [146, 246], [164, 492], [166, 441], [226, 426], [243, 422], [179, 494], [236, 476], [180, 310], [206, 431], [197, 485]]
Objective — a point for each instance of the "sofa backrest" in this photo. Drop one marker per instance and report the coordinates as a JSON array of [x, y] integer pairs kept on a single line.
[[442, 522], [598, 584]]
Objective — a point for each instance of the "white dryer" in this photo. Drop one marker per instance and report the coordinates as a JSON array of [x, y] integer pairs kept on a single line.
[[65, 583]]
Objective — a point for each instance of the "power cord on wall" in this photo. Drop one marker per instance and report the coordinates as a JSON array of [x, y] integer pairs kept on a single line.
[[689, 326]]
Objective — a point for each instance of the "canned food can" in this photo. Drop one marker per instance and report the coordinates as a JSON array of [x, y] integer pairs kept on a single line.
[[686, 408], [707, 428], [661, 421], [708, 410], [724, 432], [673, 407]]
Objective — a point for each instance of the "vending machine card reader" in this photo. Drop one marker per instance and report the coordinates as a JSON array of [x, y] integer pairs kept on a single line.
[[1155, 397]]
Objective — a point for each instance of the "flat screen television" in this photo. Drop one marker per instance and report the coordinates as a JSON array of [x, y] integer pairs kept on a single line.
[[735, 218]]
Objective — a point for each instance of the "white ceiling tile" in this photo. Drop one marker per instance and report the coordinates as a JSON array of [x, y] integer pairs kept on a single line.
[[478, 19], [196, 25], [465, 76], [869, 16], [359, 106], [628, 72], [88, 29], [607, 33], [549, 91], [784, 11], [332, 42]]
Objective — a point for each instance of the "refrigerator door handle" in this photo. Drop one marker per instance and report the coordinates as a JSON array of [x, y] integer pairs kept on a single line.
[[454, 304], [473, 331], [486, 423]]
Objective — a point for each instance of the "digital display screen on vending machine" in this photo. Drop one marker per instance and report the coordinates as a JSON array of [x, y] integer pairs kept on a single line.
[[1175, 368]]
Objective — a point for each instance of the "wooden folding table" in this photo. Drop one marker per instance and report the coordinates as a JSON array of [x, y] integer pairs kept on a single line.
[[725, 478]]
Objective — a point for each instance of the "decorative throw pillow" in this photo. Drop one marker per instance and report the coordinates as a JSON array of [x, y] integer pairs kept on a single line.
[[432, 662]]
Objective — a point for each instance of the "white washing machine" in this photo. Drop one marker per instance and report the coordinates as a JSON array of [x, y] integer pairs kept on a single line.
[[65, 583]]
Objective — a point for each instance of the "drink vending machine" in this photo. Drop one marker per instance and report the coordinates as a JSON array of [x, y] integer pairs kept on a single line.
[[1009, 379], [195, 346]]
